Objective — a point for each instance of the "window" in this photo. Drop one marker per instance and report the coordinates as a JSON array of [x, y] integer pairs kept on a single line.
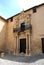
[[11, 19], [34, 9], [22, 26]]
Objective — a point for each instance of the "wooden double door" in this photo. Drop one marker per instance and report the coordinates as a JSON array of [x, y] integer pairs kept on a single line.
[[23, 45]]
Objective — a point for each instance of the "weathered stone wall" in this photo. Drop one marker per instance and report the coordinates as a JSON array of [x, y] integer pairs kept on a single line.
[[37, 22], [10, 42]]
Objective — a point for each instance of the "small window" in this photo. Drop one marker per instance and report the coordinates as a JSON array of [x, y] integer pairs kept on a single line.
[[34, 9], [11, 19]]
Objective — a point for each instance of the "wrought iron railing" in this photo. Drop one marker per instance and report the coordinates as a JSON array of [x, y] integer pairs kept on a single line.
[[27, 27]]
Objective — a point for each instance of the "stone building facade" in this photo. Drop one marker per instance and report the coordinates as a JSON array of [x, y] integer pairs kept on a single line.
[[23, 32]]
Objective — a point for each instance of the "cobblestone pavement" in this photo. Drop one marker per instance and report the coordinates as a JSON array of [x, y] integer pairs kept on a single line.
[[22, 60]]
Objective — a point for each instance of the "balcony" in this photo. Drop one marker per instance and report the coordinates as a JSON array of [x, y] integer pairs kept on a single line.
[[21, 29]]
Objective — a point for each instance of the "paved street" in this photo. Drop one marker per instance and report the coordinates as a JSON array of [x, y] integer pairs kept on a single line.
[[22, 60]]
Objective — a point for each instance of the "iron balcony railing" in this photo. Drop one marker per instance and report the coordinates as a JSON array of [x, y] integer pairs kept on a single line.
[[27, 27]]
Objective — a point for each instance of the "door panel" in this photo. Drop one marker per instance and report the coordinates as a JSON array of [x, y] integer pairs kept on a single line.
[[43, 45], [22, 45]]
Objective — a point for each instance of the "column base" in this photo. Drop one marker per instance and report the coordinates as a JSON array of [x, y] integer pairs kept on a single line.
[[17, 51], [14, 51], [27, 52]]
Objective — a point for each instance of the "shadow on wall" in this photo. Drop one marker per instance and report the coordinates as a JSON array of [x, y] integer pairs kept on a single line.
[[2, 34]]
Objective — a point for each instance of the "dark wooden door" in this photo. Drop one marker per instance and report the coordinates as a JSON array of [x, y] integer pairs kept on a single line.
[[43, 45], [22, 45]]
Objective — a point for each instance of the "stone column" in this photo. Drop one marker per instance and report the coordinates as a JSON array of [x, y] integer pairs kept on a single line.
[[17, 44], [27, 44]]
